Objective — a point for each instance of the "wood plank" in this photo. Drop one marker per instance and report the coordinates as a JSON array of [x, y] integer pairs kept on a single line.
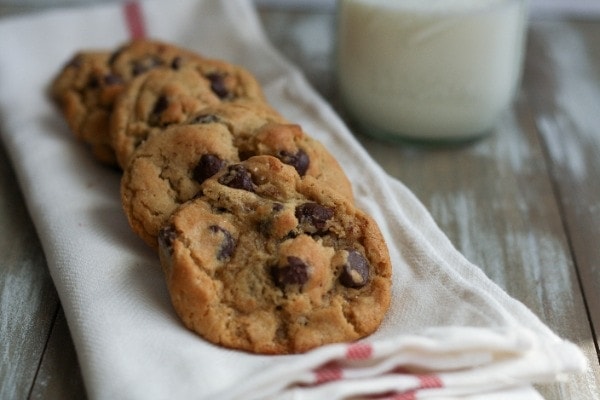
[[28, 300], [59, 376], [565, 92]]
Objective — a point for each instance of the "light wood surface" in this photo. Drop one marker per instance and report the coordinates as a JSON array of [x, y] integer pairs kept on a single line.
[[522, 203]]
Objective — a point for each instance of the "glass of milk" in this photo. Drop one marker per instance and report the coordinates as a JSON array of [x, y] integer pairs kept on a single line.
[[429, 70]]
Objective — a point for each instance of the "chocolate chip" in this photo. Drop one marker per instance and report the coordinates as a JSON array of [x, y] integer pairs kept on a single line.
[[315, 215], [205, 119], [145, 64], [166, 236], [245, 154], [208, 165], [237, 177], [217, 84], [161, 105], [355, 272], [112, 79], [227, 246], [295, 272], [299, 160], [176, 63], [93, 82], [277, 207]]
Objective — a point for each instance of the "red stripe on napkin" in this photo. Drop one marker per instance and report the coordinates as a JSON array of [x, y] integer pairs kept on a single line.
[[327, 373], [359, 351], [409, 395], [430, 382], [412, 395], [134, 17]]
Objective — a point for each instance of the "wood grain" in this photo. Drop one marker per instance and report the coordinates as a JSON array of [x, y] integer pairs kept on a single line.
[[28, 299], [564, 87], [59, 376]]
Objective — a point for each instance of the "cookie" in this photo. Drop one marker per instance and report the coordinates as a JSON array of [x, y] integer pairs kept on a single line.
[[137, 57], [164, 97], [87, 87], [264, 261], [85, 90], [242, 118], [229, 81], [292, 146], [167, 170], [174, 154], [260, 130]]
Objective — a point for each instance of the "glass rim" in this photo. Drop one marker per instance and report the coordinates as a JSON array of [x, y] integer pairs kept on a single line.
[[418, 7]]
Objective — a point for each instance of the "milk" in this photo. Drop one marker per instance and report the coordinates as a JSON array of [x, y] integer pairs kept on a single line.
[[429, 69]]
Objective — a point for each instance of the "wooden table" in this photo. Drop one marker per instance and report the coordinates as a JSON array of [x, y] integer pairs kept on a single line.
[[523, 204]]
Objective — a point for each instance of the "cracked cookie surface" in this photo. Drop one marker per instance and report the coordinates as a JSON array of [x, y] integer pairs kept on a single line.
[[264, 261], [259, 130], [167, 169]]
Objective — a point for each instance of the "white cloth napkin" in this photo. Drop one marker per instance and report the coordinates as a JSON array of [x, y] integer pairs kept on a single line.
[[450, 333]]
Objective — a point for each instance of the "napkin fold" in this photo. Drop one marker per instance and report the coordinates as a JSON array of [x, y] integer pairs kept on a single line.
[[450, 332]]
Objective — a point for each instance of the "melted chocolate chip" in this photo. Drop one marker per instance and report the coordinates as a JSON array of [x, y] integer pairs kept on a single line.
[[295, 272], [93, 82], [217, 85], [208, 165], [161, 105], [205, 119], [166, 236], [237, 177], [245, 154], [112, 79], [227, 246], [176, 63], [145, 64], [314, 214], [299, 160], [355, 272]]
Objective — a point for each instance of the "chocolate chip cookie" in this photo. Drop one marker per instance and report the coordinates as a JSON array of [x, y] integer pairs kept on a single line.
[[87, 87], [258, 129], [85, 90], [164, 97], [137, 57], [264, 261], [292, 146], [167, 169]]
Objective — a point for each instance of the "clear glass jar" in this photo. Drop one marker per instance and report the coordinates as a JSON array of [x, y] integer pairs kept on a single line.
[[429, 70]]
